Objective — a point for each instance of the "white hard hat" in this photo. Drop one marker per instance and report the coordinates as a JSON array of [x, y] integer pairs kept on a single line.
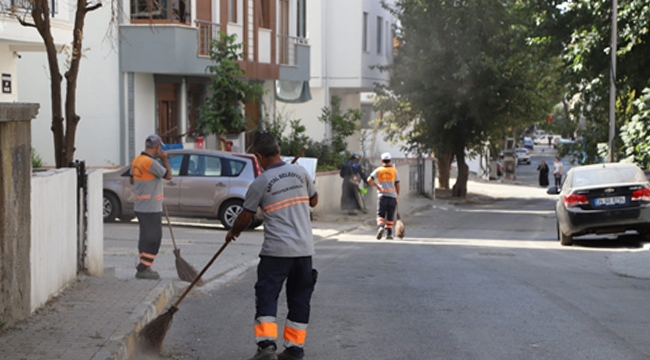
[[385, 156]]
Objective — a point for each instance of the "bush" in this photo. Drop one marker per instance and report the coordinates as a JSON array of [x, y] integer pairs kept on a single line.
[[37, 162]]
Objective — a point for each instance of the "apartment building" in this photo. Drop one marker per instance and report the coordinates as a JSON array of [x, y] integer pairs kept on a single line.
[[346, 38], [149, 75], [17, 40]]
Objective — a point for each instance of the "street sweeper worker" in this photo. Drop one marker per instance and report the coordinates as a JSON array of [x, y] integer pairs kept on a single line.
[[285, 192], [386, 179], [147, 176]]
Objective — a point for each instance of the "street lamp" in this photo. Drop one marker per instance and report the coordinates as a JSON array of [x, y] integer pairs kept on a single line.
[[612, 83]]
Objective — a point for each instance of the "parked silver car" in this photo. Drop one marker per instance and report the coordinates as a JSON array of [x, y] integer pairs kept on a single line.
[[205, 184]]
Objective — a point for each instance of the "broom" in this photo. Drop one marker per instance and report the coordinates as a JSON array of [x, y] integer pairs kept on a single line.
[[151, 337], [186, 272], [399, 226]]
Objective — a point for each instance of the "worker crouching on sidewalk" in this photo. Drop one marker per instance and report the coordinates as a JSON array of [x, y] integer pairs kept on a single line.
[[285, 192], [386, 179]]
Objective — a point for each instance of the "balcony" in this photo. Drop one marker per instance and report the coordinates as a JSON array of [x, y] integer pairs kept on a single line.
[[161, 11], [293, 57], [206, 32]]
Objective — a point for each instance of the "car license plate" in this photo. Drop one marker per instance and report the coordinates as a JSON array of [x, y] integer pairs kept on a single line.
[[615, 200]]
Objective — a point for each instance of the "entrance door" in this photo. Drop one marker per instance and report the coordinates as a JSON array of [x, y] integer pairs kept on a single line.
[[168, 112]]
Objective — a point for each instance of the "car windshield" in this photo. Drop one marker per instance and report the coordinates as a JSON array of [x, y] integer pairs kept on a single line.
[[522, 150], [601, 176]]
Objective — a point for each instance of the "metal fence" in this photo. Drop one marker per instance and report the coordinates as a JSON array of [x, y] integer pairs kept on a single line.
[[287, 48], [416, 177]]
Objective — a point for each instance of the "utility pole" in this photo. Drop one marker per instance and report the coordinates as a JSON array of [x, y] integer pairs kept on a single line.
[[612, 82]]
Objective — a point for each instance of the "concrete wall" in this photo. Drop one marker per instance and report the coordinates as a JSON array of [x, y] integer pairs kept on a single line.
[[53, 255], [95, 257], [15, 170]]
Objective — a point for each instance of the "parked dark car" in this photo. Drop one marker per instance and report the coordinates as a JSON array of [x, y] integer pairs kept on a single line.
[[205, 184], [602, 199]]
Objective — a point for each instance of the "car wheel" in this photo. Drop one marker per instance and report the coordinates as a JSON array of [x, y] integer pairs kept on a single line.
[[229, 212], [111, 207], [565, 240]]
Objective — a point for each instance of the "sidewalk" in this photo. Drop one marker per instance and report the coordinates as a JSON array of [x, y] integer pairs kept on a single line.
[[98, 318]]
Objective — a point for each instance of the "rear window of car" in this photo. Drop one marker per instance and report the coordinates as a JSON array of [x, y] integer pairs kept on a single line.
[[601, 176], [236, 167]]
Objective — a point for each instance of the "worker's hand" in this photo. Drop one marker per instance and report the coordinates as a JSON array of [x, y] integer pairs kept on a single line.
[[231, 237], [379, 188], [162, 155]]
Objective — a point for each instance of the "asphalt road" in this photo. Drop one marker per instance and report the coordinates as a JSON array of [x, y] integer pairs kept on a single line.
[[473, 280]]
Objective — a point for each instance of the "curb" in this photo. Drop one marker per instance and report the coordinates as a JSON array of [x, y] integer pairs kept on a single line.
[[155, 303]]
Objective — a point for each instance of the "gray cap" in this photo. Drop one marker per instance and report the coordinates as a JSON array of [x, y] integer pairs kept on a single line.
[[153, 140]]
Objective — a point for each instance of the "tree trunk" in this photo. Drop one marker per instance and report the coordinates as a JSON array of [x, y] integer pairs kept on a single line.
[[71, 76], [460, 187], [444, 168], [41, 16]]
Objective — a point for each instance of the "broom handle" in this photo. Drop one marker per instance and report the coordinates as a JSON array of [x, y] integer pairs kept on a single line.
[[198, 277], [302, 151], [170, 225]]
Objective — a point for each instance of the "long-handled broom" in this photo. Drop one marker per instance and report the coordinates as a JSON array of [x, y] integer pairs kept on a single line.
[[185, 270], [151, 337]]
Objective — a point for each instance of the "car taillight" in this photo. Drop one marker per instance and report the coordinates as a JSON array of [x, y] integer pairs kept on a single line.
[[641, 195], [573, 200]]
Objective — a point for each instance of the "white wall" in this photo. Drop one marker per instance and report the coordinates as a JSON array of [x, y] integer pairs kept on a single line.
[[145, 109], [308, 113], [53, 251], [97, 137], [95, 257], [8, 66]]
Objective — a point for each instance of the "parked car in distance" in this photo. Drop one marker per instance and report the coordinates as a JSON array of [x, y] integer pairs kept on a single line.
[[557, 142], [523, 156], [602, 199], [528, 143], [205, 184]]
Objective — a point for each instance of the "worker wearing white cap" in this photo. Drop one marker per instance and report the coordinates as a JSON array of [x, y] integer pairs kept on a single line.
[[386, 179]]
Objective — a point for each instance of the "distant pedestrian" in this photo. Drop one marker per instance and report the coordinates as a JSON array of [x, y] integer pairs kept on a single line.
[[352, 175], [550, 138], [558, 170], [285, 192], [147, 176], [386, 179], [543, 170]]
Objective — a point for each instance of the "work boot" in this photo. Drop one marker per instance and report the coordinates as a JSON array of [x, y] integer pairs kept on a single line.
[[389, 234], [389, 237], [267, 353], [147, 274], [380, 233], [288, 355]]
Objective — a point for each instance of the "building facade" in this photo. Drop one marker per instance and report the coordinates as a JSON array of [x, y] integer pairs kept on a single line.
[[149, 74]]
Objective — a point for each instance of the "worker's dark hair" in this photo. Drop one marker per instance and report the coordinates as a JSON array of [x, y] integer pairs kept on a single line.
[[266, 145]]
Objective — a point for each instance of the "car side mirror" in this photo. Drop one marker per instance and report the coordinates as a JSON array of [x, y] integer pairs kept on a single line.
[[553, 190]]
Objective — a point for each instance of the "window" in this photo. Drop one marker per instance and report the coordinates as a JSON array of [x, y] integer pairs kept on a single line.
[[380, 34], [264, 15], [301, 30], [201, 165], [389, 31], [175, 162], [365, 32], [27, 5], [232, 11], [236, 167]]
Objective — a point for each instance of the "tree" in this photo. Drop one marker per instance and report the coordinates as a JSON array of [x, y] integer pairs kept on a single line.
[[228, 90], [37, 16], [636, 133], [468, 71], [578, 33]]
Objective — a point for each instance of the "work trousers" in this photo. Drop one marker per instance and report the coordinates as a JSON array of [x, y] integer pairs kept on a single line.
[[300, 279], [386, 212], [150, 238]]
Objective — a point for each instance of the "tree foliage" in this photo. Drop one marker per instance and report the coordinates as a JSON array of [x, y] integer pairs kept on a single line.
[[636, 133], [578, 32], [228, 89], [466, 68]]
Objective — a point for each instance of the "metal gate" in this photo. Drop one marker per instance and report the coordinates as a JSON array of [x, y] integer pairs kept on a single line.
[[416, 177]]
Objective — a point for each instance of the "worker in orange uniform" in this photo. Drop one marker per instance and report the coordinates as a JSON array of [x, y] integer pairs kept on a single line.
[[386, 179], [285, 192], [147, 176]]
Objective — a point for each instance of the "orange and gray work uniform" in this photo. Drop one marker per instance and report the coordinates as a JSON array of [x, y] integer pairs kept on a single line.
[[284, 192], [387, 177], [148, 177]]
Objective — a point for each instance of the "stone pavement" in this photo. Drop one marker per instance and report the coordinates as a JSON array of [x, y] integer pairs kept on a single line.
[[97, 318]]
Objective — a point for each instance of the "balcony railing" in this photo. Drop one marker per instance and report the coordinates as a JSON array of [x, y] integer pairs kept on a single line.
[[206, 32], [287, 48]]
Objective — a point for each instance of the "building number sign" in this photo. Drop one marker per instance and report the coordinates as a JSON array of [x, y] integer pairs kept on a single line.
[[6, 83]]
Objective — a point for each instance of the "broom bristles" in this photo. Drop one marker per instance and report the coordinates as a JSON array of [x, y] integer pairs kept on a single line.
[[185, 270], [152, 335]]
